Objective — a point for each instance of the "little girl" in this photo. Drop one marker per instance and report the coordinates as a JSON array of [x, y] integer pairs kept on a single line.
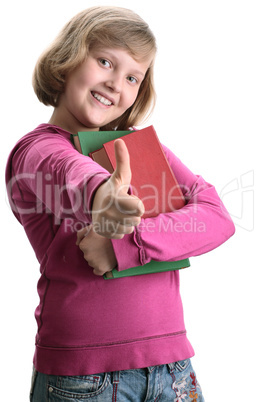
[[124, 339]]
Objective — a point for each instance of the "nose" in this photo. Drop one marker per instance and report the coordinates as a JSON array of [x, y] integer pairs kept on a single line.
[[115, 83]]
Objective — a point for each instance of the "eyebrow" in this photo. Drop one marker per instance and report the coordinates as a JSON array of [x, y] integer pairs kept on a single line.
[[137, 72]]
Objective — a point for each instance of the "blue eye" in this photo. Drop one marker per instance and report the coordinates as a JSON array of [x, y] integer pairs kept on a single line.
[[132, 80], [104, 62]]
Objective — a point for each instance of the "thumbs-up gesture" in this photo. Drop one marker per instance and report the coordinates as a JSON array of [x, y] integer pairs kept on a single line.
[[115, 212]]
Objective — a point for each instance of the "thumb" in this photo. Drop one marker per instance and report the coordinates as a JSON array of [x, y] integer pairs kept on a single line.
[[122, 173]]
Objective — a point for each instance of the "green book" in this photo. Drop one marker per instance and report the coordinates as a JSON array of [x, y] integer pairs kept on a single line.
[[90, 141], [151, 267]]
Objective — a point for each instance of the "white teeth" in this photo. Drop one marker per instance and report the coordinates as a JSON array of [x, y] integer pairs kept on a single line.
[[101, 99]]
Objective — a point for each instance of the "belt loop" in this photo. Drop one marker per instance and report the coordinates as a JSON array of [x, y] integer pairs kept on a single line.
[[115, 382], [171, 367], [115, 377]]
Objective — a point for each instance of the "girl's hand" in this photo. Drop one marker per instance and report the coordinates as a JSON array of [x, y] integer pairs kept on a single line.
[[98, 250], [115, 212]]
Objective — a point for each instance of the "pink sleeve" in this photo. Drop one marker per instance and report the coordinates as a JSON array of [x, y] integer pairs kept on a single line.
[[52, 172], [200, 226]]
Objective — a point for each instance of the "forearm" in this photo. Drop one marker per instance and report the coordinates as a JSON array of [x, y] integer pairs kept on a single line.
[[194, 230], [200, 226]]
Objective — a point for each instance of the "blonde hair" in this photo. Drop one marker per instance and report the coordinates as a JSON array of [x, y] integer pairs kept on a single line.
[[106, 26]]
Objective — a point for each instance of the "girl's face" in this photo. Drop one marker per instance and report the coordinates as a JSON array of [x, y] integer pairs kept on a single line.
[[100, 90]]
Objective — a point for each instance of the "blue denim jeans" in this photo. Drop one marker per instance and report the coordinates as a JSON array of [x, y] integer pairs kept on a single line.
[[170, 382]]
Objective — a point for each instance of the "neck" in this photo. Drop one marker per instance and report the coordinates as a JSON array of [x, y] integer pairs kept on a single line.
[[69, 124]]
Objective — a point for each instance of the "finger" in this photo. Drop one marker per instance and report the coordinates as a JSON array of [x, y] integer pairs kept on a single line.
[[129, 205], [122, 172], [112, 235], [82, 233], [114, 230], [98, 272]]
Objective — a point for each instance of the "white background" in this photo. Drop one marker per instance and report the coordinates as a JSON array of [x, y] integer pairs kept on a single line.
[[207, 84]]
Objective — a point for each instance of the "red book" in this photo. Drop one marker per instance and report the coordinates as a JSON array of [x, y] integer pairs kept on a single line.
[[153, 180]]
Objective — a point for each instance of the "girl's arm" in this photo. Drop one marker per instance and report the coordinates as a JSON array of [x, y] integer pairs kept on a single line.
[[200, 226], [50, 173], [46, 173], [49, 181]]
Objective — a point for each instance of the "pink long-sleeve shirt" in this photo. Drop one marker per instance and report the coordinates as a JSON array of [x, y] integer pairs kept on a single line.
[[86, 324]]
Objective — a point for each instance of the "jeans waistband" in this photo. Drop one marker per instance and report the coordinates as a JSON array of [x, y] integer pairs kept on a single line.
[[149, 370], [169, 365]]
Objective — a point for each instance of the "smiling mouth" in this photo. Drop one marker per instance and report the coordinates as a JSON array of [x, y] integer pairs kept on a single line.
[[101, 99]]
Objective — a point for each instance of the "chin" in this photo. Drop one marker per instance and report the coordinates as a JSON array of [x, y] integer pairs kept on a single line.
[[95, 125]]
